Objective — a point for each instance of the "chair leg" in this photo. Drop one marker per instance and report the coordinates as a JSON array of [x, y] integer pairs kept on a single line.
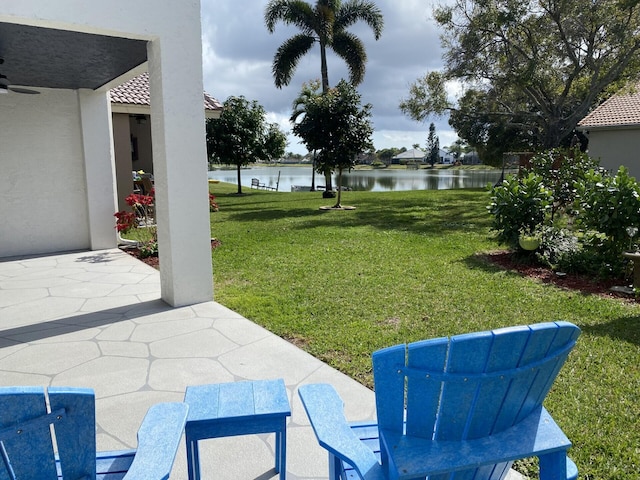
[[335, 467], [281, 451], [553, 466], [193, 460]]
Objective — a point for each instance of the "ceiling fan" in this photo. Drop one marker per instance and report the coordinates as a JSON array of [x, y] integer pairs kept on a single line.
[[6, 87]]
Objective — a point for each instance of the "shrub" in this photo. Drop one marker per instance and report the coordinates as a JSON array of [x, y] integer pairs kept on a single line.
[[610, 205], [560, 170], [576, 252], [149, 249], [600, 213], [519, 205], [557, 247]]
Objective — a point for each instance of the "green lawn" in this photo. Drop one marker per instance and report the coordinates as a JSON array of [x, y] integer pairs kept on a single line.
[[403, 266]]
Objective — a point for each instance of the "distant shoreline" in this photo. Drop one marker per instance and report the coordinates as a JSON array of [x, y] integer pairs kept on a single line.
[[360, 167]]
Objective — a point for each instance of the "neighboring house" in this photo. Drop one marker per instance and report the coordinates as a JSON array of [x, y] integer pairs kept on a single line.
[[58, 181], [446, 157], [410, 156], [131, 109], [613, 129]]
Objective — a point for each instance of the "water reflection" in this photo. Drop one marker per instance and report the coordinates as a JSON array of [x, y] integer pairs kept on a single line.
[[365, 180]]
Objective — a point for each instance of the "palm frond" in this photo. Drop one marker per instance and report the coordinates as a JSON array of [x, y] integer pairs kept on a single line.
[[289, 12], [287, 56], [351, 49], [353, 11]]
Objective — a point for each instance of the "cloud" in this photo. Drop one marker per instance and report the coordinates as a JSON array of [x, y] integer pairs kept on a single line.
[[238, 51]]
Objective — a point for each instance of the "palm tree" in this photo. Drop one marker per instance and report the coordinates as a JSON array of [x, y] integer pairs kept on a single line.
[[325, 23], [309, 91]]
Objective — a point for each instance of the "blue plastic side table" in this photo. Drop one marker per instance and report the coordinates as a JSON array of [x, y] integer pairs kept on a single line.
[[237, 408]]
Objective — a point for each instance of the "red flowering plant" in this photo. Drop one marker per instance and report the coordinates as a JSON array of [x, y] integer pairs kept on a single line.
[[125, 221], [213, 205], [142, 206], [141, 216]]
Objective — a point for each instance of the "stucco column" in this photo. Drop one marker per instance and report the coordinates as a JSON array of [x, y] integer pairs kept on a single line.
[[180, 167], [95, 115], [122, 150]]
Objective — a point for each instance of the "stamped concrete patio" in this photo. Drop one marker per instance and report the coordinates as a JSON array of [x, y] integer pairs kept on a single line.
[[95, 319]]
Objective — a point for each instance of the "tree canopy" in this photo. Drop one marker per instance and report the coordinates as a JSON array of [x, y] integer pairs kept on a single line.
[[339, 127], [531, 69], [242, 135]]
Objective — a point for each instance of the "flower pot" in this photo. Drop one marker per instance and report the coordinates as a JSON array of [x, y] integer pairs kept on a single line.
[[528, 243]]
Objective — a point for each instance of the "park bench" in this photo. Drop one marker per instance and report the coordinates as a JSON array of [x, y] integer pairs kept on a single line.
[[453, 408], [52, 435], [255, 183]]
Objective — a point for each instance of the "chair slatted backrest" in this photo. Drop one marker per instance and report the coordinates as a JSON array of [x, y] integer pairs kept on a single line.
[[469, 386], [32, 423]]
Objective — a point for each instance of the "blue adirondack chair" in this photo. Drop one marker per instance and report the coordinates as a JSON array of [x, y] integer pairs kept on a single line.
[[453, 408], [47, 437]]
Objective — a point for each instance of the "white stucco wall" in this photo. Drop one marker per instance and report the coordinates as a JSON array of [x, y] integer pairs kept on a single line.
[[615, 148], [43, 203], [173, 32]]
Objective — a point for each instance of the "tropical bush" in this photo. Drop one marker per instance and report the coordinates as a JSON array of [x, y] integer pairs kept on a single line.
[[519, 205], [583, 216]]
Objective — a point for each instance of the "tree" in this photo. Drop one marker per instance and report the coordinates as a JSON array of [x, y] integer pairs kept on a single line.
[[337, 121], [489, 134], [309, 90], [386, 154], [458, 148], [433, 146], [242, 135], [275, 143], [531, 69], [326, 24]]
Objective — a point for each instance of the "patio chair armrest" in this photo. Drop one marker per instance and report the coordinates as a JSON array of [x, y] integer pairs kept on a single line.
[[325, 410], [158, 440]]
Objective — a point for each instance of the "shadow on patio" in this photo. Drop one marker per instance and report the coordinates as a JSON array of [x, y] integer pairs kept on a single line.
[[95, 319]]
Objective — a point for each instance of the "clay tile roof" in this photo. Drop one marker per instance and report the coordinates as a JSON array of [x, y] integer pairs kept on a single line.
[[619, 110], [136, 92]]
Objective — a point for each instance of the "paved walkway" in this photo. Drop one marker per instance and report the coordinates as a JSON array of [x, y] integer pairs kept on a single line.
[[95, 319]]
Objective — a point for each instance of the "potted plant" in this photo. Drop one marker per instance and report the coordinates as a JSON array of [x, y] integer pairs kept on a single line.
[[529, 240]]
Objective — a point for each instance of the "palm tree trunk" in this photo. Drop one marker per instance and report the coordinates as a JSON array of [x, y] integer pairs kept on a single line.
[[324, 72], [328, 189]]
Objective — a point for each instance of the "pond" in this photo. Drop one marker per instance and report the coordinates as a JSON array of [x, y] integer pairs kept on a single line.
[[377, 180]]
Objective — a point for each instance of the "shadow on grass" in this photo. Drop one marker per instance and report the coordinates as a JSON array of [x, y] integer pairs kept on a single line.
[[626, 329], [431, 215]]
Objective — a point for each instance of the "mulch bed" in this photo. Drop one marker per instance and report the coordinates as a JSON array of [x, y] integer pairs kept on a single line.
[[582, 283], [135, 252], [155, 261]]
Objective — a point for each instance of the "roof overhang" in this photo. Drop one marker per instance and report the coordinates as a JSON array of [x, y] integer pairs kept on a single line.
[[50, 58], [604, 128], [133, 109]]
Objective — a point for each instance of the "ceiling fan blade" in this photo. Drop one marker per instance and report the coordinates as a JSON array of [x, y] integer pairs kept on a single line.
[[24, 90]]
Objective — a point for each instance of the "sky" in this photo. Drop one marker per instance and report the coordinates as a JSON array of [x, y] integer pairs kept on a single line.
[[238, 54]]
